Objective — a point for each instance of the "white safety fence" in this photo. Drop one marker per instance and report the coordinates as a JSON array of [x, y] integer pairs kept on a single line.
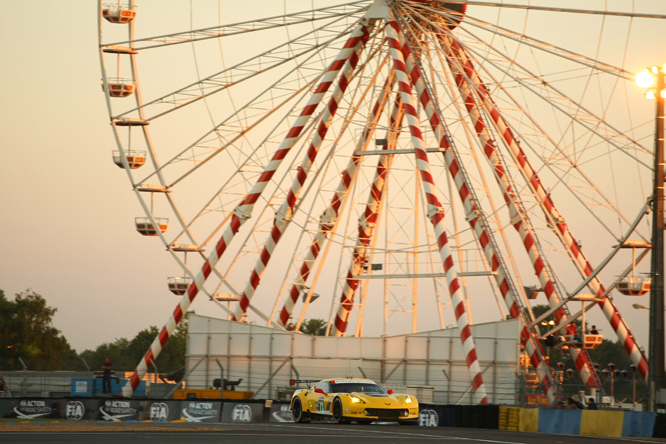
[[431, 364]]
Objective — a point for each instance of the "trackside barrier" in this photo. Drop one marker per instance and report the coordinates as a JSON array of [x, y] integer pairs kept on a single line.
[[659, 429], [603, 423], [279, 412], [509, 418], [431, 415], [560, 421], [240, 411], [639, 424]]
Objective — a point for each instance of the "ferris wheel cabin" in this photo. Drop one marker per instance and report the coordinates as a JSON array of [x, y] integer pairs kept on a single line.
[[178, 285], [135, 159], [117, 13], [633, 285], [146, 227], [120, 87]]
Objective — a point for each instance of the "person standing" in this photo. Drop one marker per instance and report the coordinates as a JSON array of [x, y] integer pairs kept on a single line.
[[591, 405], [4, 390], [575, 403], [106, 377]]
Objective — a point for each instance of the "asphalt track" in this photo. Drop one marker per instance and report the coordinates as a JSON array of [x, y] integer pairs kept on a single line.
[[297, 434]]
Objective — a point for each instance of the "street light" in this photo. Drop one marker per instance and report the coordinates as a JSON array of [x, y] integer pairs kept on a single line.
[[644, 79], [652, 80]]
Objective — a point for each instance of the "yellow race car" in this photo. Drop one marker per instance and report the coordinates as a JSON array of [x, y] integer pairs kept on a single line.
[[350, 399]]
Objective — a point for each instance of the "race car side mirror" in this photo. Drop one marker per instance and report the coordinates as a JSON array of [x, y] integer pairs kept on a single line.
[[390, 392], [320, 391]]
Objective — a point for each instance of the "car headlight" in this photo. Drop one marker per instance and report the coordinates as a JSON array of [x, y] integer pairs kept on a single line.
[[355, 399], [408, 399]]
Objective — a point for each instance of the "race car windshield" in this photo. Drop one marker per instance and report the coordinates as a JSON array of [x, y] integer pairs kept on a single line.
[[356, 387]]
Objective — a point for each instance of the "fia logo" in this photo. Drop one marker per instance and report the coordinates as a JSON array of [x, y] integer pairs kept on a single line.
[[75, 410], [159, 412], [241, 413], [428, 418]]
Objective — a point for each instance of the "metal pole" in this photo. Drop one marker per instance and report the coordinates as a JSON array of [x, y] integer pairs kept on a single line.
[[656, 346], [25, 376], [184, 378], [271, 377], [156, 371], [221, 378], [89, 382]]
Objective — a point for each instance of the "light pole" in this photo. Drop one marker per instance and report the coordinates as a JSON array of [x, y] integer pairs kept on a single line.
[[633, 377], [611, 367], [646, 79], [560, 380]]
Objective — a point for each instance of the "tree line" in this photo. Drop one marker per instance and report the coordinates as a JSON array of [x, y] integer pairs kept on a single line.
[[27, 333]]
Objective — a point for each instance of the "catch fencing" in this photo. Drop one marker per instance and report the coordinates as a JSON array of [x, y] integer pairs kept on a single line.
[[430, 365]]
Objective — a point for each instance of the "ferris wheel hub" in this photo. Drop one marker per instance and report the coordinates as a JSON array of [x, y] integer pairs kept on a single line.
[[454, 11]]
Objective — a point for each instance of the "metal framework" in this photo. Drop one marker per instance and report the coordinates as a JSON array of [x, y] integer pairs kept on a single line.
[[491, 148]]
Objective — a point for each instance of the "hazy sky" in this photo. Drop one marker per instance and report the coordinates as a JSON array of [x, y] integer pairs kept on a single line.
[[66, 225]]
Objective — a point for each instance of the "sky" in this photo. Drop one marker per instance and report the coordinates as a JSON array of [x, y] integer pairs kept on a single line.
[[67, 213]]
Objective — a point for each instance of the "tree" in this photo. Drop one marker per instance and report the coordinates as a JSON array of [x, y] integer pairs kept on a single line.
[[27, 332], [126, 354], [314, 327]]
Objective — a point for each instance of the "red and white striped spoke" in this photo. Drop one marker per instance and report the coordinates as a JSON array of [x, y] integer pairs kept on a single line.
[[366, 228], [329, 218], [545, 200], [474, 214], [243, 212], [245, 208], [435, 210], [283, 216], [519, 219]]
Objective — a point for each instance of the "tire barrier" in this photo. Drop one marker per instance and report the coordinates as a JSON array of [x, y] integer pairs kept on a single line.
[[508, 418], [603, 423]]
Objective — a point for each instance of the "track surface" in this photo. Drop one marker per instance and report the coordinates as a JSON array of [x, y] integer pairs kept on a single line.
[[279, 433]]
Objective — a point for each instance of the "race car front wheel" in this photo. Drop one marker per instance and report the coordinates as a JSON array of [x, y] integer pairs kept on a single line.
[[297, 412], [337, 412]]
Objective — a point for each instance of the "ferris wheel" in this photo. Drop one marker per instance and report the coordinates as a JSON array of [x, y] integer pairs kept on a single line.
[[390, 166]]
